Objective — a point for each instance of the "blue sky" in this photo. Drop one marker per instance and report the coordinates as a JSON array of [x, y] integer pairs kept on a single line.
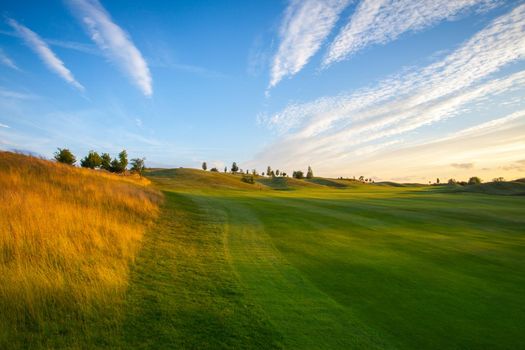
[[399, 90]]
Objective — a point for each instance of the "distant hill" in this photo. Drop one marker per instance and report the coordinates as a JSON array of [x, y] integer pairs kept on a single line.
[[200, 179], [286, 183], [509, 188]]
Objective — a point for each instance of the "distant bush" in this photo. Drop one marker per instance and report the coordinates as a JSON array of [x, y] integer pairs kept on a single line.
[[498, 179], [248, 179], [298, 174], [215, 170], [64, 155], [452, 182], [474, 180]]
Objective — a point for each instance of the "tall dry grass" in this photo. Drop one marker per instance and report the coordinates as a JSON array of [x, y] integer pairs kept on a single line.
[[67, 237]]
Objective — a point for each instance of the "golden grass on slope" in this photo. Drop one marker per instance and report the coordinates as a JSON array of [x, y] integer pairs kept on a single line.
[[67, 236]]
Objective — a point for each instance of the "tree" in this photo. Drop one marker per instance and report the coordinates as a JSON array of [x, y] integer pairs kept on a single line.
[[452, 181], [215, 170], [92, 160], [437, 180], [277, 172], [361, 178], [105, 161], [137, 165], [298, 174], [119, 165], [498, 179], [225, 169], [268, 171], [64, 155], [204, 166], [114, 166], [123, 159], [309, 173], [234, 168], [474, 180]]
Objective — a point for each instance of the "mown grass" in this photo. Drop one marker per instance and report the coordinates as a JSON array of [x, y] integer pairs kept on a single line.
[[67, 237], [184, 293], [367, 266]]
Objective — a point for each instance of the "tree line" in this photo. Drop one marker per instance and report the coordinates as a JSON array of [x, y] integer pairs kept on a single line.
[[234, 169], [104, 161]]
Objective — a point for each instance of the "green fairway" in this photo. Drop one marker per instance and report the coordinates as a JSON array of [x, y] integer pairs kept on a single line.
[[318, 266]]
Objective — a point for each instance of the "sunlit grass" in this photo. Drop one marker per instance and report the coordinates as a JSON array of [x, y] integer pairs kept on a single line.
[[67, 237]]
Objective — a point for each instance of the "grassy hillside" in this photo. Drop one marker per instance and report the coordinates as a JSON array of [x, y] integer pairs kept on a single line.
[[193, 178], [509, 188], [67, 237]]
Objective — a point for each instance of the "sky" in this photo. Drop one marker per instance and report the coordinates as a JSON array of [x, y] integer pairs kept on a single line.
[[399, 90]]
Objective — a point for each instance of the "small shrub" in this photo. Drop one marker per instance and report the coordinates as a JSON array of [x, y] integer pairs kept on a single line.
[[248, 179], [298, 174], [64, 155]]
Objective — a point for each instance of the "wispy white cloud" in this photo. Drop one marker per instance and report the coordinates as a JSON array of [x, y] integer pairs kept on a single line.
[[487, 127], [114, 42], [7, 61], [381, 21], [305, 26], [5, 93], [44, 52], [337, 129], [72, 45], [462, 165], [3, 126]]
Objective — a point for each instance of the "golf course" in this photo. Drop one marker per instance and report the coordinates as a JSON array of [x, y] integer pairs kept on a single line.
[[301, 264], [329, 267]]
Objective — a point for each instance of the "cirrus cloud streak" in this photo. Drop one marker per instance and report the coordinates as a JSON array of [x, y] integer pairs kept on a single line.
[[381, 21], [114, 42], [50, 59]]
